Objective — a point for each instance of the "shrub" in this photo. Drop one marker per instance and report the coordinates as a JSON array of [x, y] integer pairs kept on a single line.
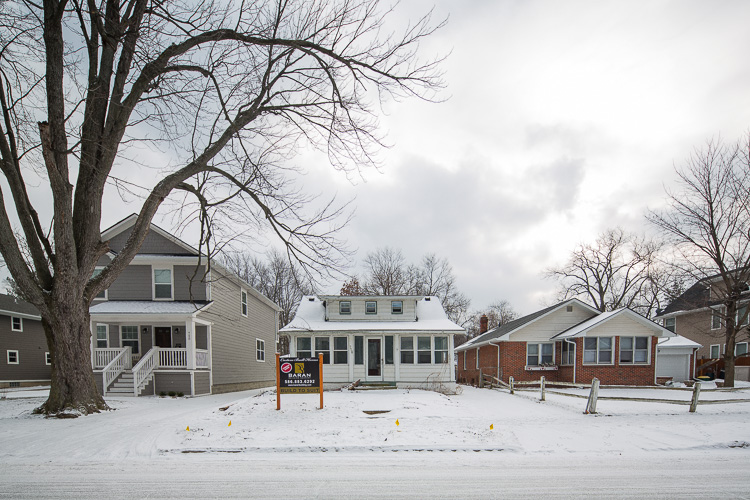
[[179, 394], [172, 394]]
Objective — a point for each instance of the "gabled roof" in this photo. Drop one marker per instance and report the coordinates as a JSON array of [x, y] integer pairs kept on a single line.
[[12, 306], [310, 317], [678, 341], [582, 328], [508, 328], [129, 221], [698, 295]]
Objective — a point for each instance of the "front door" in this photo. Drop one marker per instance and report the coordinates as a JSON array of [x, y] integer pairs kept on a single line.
[[163, 336], [374, 367]]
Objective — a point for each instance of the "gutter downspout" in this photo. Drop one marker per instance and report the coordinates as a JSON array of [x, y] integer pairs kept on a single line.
[[575, 357]]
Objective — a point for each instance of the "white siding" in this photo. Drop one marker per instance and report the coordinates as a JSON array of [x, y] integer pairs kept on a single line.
[[383, 310], [545, 328], [621, 326]]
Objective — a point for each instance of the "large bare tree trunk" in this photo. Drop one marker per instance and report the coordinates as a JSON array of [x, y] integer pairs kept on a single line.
[[69, 339]]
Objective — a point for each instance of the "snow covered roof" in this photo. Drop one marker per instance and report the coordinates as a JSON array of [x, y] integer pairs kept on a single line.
[[124, 307], [678, 341], [580, 329], [503, 332], [310, 317]]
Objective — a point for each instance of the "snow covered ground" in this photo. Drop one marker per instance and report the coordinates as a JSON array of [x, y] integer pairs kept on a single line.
[[378, 444]]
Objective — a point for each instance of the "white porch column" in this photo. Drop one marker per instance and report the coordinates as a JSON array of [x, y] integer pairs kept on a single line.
[[209, 340], [190, 343], [93, 335], [397, 356], [450, 358], [350, 356]]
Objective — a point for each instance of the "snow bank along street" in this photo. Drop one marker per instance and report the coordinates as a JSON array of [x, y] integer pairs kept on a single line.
[[377, 443]]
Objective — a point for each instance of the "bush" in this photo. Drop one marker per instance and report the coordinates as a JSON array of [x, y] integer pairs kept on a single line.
[[179, 394], [162, 394], [172, 394]]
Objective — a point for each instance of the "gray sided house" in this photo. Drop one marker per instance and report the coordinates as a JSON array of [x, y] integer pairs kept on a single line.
[[25, 357], [406, 341], [168, 325]]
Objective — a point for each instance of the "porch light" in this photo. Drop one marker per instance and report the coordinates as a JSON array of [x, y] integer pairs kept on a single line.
[[145, 330], [177, 329]]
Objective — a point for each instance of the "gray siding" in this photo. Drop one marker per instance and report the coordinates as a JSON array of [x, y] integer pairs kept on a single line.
[[31, 345], [177, 382], [233, 336], [202, 383], [188, 283], [134, 283], [153, 243]]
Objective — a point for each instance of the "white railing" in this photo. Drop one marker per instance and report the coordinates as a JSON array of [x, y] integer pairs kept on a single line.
[[201, 358], [172, 358], [144, 368], [103, 357], [115, 367]]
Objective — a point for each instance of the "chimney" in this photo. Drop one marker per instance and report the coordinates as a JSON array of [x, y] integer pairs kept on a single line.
[[483, 324]]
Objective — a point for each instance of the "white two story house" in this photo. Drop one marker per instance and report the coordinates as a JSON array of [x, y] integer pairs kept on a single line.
[[406, 341]]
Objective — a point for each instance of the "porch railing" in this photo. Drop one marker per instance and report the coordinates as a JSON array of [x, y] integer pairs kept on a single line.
[[144, 368], [172, 357], [201, 358], [103, 357], [115, 367]]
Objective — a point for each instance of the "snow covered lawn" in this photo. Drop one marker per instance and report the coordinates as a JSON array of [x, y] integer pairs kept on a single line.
[[149, 437]]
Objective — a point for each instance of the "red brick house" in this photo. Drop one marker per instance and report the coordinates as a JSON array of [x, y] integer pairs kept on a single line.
[[567, 342]]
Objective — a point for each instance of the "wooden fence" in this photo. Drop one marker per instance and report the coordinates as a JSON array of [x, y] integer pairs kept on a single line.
[[543, 387]]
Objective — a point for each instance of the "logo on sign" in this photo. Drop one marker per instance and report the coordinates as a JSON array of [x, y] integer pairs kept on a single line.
[[286, 367], [299, 367]]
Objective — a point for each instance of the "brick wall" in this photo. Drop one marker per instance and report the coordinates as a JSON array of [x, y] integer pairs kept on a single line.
[[513, 363]]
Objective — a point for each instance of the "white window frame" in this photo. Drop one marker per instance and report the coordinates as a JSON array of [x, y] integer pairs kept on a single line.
[[477, 360], [260, 350], [674, 324], [400, 310], [348, 306], [373, 302], [297, 350], [18, 357], [717, 313], [465, 359], [599, 350], [171, 282], [634, 350], [47, 359], [344, 350], [539, 352], [137, 339], [738, 344], [718, 351], [106, 335], [435, 350], [13, 323], [571, 350], [327, 351], [243, 302], [417, 350], [97, 271], [403, 350], [737, 318]]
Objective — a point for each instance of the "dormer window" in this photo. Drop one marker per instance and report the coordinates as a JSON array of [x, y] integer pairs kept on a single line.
[[345, 307], [397, 307], [16, 324], [163, 284], [371, 307]]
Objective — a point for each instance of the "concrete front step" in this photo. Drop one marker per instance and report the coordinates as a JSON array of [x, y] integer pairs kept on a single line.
[[375, 386]]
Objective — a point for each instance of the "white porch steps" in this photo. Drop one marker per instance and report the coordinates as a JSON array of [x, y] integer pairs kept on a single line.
[[123, 386]]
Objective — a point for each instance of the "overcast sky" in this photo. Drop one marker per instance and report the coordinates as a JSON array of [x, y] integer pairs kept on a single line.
[[563, 118]]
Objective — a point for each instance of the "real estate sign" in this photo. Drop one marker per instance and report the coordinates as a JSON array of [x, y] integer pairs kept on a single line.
[[299, 376]]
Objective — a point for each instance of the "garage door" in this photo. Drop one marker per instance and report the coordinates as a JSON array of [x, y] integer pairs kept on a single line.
[[673, 365]]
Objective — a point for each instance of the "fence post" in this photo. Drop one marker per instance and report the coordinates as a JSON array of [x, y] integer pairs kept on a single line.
[[696, 393], [591, 405], [481, 378], [510, 382], [541, 384]]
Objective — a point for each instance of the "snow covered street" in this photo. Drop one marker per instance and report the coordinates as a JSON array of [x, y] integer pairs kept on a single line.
[[442, 447]]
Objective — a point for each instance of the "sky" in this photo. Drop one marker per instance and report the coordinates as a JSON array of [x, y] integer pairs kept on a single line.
[[559, 119], [562, 119]]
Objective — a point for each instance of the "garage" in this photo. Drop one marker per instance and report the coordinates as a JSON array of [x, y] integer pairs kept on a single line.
[[674, 358]]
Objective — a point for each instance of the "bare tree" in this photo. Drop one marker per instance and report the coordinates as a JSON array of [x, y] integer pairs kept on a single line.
[[351, 287], [232, 90], [707, 221], [278, 279], [617, 270], [498, 313], [386, 273]]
